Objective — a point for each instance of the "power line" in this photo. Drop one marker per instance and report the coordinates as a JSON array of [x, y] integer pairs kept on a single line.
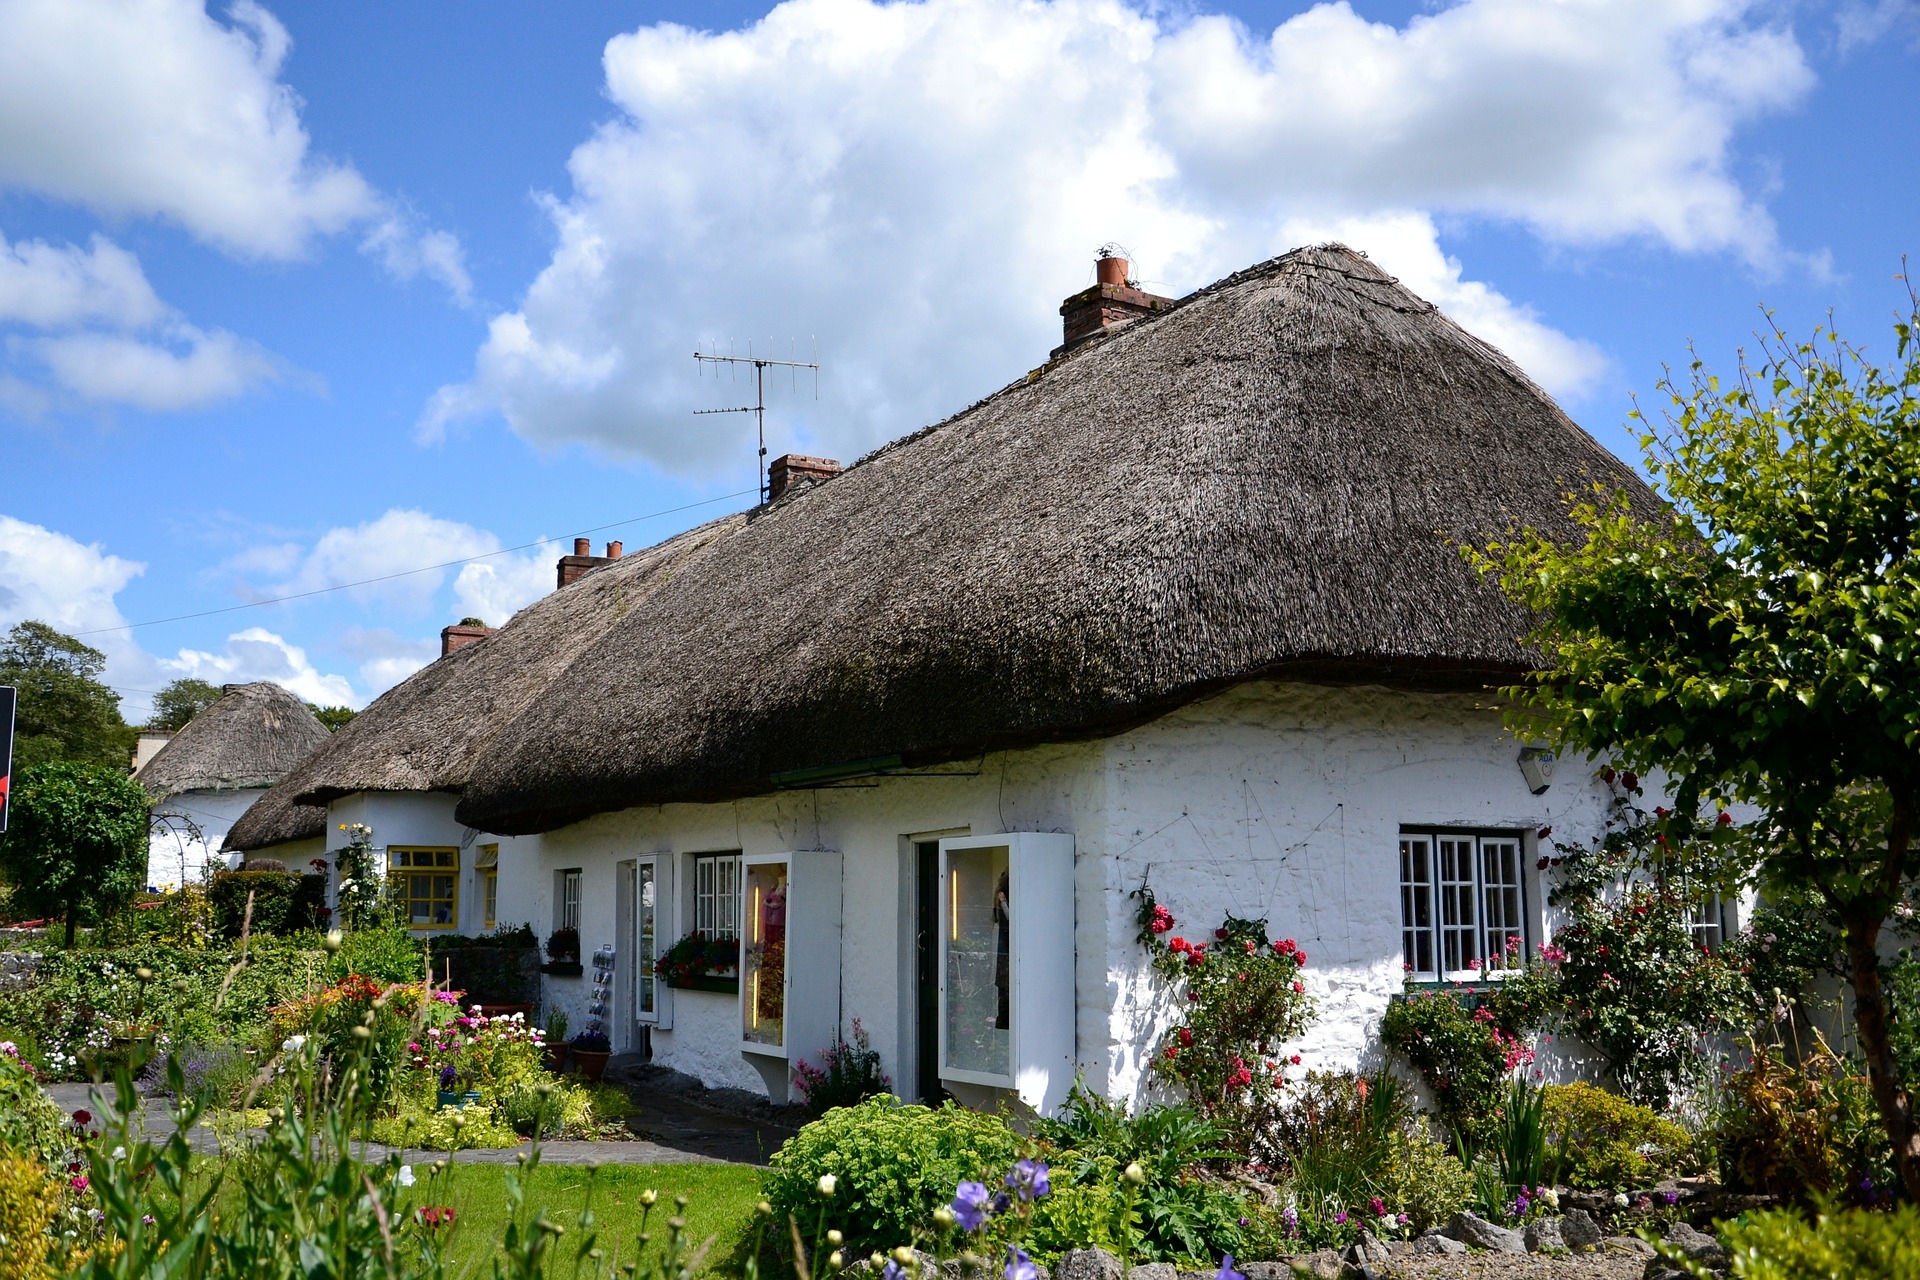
[[404, 573]]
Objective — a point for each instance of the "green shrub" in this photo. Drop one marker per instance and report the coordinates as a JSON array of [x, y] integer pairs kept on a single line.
[[1780, 1244], [893, 1164], [1423, 1180], [1609, 1144], [1075, 1217], [30, 1123], [849, 1072], [386, 954], [444, 1128], [1463, 1044], [284, 903], [1802, 1131]]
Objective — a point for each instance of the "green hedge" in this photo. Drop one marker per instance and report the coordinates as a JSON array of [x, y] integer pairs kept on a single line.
[[284, 902]]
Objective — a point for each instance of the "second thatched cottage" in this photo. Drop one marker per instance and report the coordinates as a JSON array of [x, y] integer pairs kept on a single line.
[[1184, 606]]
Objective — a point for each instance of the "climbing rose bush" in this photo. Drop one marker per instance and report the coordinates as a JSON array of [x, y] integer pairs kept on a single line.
[[1243, 1000]]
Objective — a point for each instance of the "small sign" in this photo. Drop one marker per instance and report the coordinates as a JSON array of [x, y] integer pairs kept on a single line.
[[8, 695]]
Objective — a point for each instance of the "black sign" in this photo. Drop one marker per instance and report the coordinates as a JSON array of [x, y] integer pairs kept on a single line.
[[7, 695]]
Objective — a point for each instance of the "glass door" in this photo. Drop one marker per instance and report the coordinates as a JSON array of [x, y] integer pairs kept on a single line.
[[646, 940]]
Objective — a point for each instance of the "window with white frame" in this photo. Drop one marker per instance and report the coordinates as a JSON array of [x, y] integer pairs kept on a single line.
[[1463, 900], [569, 899], [716, 894], [1709, 923]]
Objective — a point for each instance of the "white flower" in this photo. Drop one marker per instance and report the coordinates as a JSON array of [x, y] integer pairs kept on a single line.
[[1550, 1198], [119, 1153], [1619, 1199], [292, 1044], [827, 1184], [405, 1176]]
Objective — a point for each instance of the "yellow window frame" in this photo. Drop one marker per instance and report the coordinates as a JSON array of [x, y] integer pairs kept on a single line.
[[417, 868]]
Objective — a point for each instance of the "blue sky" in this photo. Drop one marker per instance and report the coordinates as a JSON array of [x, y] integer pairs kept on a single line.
[[300, 294]]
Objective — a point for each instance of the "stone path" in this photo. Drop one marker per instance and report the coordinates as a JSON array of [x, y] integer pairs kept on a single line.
[[673, 1125]]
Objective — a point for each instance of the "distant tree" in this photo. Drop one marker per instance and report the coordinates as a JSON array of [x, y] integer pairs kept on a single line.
[[180, 702], [332, 717], [77, 842], [1761, 641], [65, 712]]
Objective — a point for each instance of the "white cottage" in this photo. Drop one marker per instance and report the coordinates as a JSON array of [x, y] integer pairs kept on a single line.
[[1184, 607], [213, 770]]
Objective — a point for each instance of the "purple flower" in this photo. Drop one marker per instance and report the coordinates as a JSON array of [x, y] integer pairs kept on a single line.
[[1029, 1180], [449, 1077], [970, 1205], [1340, 1217], [1670, 1198], [893, 1271], [1227, 1272], [1020, 1266]]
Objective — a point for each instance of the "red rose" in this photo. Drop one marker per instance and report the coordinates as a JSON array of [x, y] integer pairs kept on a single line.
[[1220, 934], [1300, 958], [1186, 1035], [1299, 988], [1295, 1059]]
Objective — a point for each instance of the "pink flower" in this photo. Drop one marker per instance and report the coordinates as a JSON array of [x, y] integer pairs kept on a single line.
[[78, 1184]]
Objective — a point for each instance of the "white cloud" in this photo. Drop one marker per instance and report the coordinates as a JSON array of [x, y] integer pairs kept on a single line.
[[191, 371], [494, 590], [399, 540], [918, 184], [51, 286], [386, 657], [153, 108], [70, 586], [259, 654]]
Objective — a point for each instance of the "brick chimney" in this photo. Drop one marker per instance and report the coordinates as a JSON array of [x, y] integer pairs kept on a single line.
[[461, 634], [791, 470], [572, 567], [1113, 301]]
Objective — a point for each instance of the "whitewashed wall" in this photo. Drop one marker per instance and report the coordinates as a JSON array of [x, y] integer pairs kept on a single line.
[[174, 857], [425, 818], [1269, 800]]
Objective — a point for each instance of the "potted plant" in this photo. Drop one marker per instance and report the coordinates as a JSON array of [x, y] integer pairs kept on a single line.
[[555, 1049], [449, 1091], [591, 1049], [700, 963], [563, 953]]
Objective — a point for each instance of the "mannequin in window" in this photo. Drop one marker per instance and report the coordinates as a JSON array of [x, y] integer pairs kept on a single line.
[[1002, 969]]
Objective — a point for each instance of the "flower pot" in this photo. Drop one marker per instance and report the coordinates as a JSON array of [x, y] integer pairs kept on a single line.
[[447, 1098], [591, 1062], [556, 1056], [471, 1098]]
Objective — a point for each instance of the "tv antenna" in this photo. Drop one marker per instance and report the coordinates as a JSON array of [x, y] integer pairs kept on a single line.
[[759, 406]]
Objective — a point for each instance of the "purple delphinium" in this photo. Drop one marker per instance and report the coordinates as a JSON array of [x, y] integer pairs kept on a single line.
[[1029, 1180], [449, 1077], [893, 1271], [970, 1205], [1291, 1217], [1020, 1266], [1227, 1272]]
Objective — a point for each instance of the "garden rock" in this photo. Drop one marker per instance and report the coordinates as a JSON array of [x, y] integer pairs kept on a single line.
[[1579, 1230], [1323, 1264], [1472, 1229], [1434, 1242], [1366, 1251], [1088, 1264], [1630, 1244], [1543, 1235], [1157, 1271], [1257, 1270], [1697, 1245]]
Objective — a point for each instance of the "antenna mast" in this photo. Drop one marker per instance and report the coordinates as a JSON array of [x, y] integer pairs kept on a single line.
[[759, 406]]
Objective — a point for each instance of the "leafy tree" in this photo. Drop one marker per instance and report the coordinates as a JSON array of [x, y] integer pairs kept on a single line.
[[77, 842], [180, 702], [1759, 641], [64, 712], [332, 717]]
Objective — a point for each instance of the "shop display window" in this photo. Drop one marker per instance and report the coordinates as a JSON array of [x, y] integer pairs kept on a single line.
[[763, 955], [979, 973]]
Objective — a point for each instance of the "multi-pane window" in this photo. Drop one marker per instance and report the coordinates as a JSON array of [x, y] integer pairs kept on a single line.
[[569, 900], [1462, 902], [716, 894], [488, 867], [1709, 923], [427, 884]]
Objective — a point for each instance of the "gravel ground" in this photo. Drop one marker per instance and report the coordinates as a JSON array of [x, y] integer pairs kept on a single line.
[[1617, 1265]]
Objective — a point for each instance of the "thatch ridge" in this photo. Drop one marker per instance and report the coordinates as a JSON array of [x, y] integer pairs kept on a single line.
[[253, 735], [1267, 479], [425, 733]]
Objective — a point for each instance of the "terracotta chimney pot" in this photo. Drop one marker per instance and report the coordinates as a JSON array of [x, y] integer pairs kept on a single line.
[[613, 550]]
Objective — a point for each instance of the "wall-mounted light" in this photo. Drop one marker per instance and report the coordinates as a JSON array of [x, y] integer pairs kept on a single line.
[[1536, 766]]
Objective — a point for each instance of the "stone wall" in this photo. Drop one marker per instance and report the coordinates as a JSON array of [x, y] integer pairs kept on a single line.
[[17, 969]]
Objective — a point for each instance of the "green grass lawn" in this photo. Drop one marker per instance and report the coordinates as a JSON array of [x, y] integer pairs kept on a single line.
[[720, 1204]]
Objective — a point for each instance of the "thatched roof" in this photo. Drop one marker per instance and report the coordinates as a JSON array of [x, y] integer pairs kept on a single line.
[[252, 736], [1262, 481], [425, 733], [275, 819]]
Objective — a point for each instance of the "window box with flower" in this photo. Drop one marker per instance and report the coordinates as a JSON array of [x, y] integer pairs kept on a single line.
[[699, 962]]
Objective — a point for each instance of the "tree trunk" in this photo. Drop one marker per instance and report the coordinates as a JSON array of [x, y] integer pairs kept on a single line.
[[73, 912], [1871, 1020]]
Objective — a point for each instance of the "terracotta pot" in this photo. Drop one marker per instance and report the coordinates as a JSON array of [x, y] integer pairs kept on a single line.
[[556, 1056], [591, 1064]]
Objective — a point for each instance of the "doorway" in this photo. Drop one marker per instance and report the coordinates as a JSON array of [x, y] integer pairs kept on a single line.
[[926, 946]]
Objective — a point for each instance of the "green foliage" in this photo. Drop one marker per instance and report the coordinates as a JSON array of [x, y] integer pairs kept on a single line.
[[847, 1074], [1244, 1001], [361, 890], [694, 956], [1518, 1144], [284, 902], [1758, 640], [29, 1121], [64, 711], [1903, 993], [1180, 1213], [1077, 1216], [562, 1110], [386, 953], [180, 701], [77, 842], [431, 1128], [1803, 1130], [1834, 1244], [893, 1164], [1465, 1043], [1606, 1143], [334, 718], [1336, 1137], [1423, 1180]]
